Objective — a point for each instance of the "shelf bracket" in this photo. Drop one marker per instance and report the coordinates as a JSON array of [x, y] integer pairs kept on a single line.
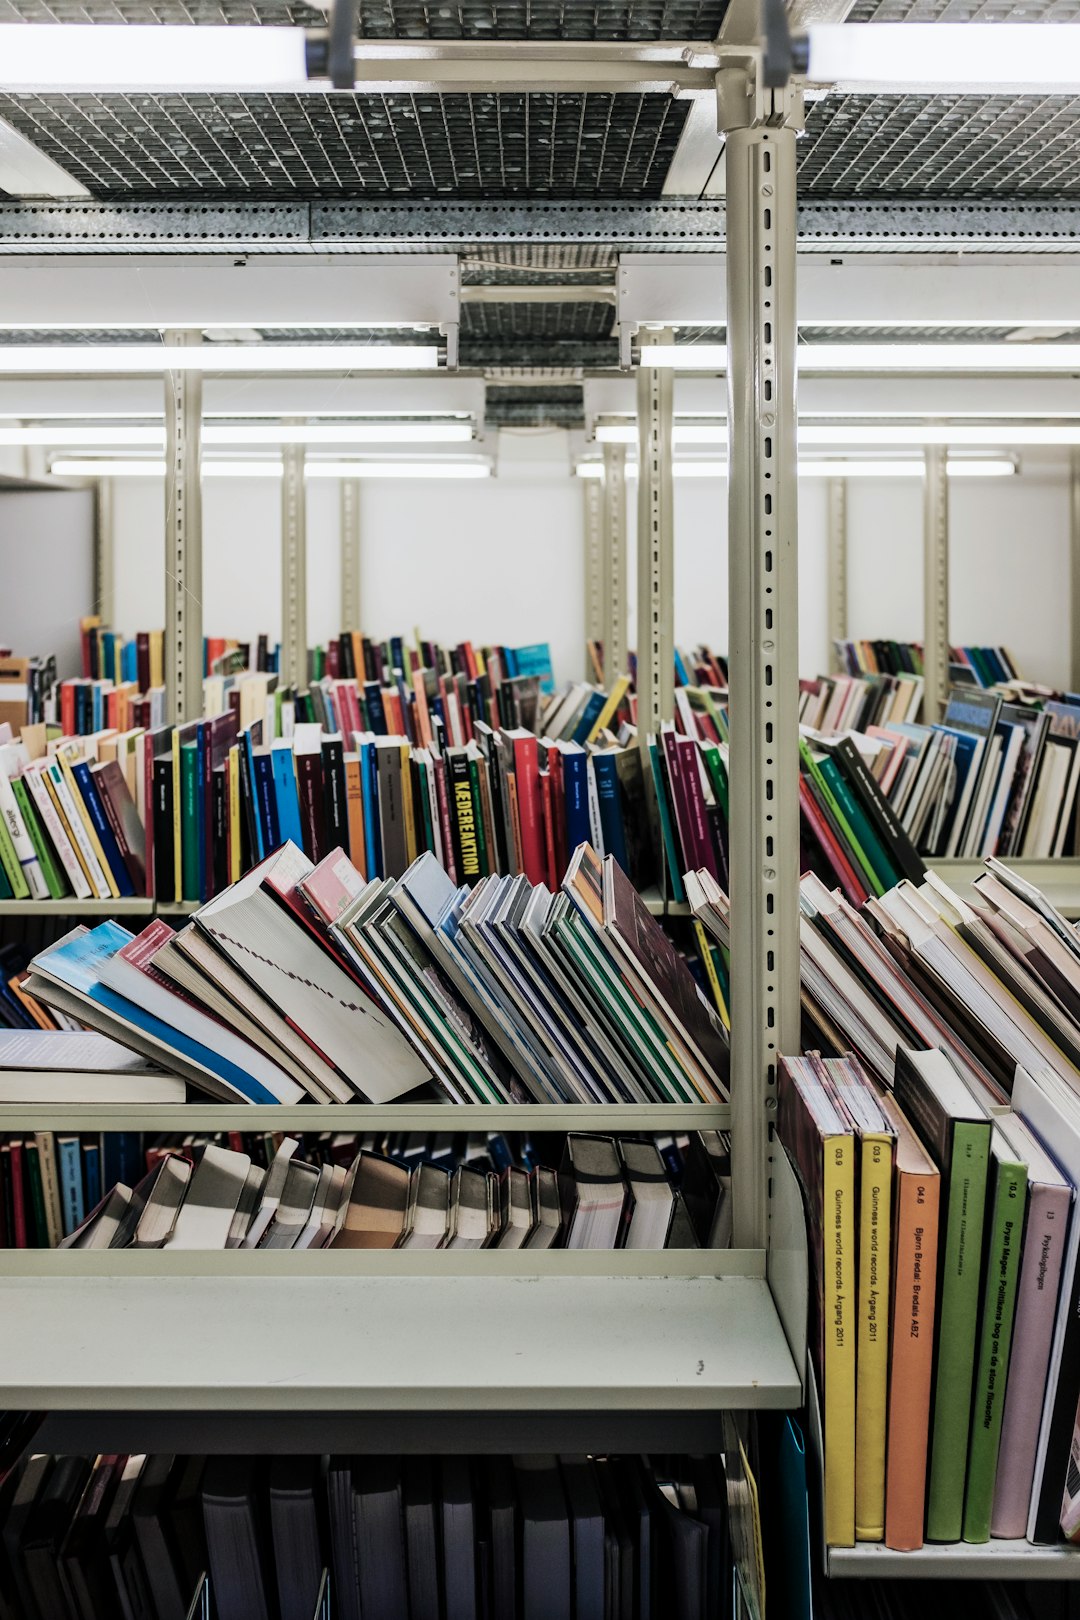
[[293, 569], [592, 496], [935, 583], [1074, 571], [655, 545], [760, 125], [350, 554], [183, 538], [837, 568], [614, 570], [104, 552]]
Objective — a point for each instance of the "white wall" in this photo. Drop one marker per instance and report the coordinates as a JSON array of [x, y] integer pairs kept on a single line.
[[47, 569], [502, 560]]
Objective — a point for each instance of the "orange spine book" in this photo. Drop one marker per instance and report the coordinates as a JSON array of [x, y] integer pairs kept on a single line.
[[354, 803], [916, 1198]]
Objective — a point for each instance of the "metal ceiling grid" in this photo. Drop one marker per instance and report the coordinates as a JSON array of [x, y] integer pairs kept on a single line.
[[535, 407], [507, 322], [272, 13], [940, 146], [959, 11], [561, 145], [410, 19]]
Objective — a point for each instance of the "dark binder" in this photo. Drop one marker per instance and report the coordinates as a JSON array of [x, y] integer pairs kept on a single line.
[[295, 1495], [421, 1538], [380, 1538], [545, 1540], [235, 1540]]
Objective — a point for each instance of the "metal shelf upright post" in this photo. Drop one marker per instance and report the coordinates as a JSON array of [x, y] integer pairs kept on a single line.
[[293, 568], [592, 495], [760, 125], [104, 552], [655, 546], [614, 569], [183, 537], [935, 582], [837, 560], [350, 554], [1074, 570]]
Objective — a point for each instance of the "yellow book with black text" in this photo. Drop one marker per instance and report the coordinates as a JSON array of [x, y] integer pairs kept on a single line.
[[234, 813], [611, 707]]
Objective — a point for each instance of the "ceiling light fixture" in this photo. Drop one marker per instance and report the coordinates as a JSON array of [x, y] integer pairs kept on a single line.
[[73, 467], [74, 359], [960, 58], [245, 434], [884, 357], [985, 467], [128, 56], [843, 436]]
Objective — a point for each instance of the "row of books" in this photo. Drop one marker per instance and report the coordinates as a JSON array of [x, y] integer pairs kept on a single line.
[[991, 990], [605, 1193], [838, 703], [384, 1537], [968, 666], [303, 981]]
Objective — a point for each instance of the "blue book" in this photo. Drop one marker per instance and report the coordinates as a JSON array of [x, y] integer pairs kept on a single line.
[[91, 1155], [97, 707], [266, 802], [69, 1166], [129, 661], [589, 716], [75, 964], [533, 660], [290, 828], [965, 749], [256, 819], [610, 804], [681, 677], [372, 824], [376, 712], [109, 847], [397, 653], [121, 1159], [576, 790], [200, 807]]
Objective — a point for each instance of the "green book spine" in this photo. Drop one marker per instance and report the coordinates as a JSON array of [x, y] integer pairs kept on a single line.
[[420, 792], [1006, 1204], [18, 887], [478, 818], [958, 1320], [667, 831], [714, 767], [859, 822], [5, 886], [843, 826], [51, 870], [35, 1204], [189, 820]]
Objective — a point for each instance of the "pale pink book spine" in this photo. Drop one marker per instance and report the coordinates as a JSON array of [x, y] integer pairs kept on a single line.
[[1036, 1309]]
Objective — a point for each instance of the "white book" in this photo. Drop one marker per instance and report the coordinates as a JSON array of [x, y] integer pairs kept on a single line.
[[57, 831], [294, 1207], [11, 765], [272, 1189], [214, 1191]]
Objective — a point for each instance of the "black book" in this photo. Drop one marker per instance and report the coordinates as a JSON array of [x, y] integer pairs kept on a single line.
[[588, 1535], [219, 848], [545, 1540], [335, 810], [235, 1539], [459, 1540], [704, 1494], [164, 845], [249, 816], [45, 1531], [125, 1562], [421, 1538], [380, 1538], [640, 1523], [901, 851], [159, 1556], [295, 1494], [681, 1550], [84, 1553], [503, 1535], [186, 1520], [35, 1476], [343, 1539]]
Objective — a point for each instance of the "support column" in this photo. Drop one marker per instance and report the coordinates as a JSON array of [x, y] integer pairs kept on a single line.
[[763, 628], [614, 572], [294, 649], [1074, 571], [104, 553], [837, 563], [350, 554], [935, 584], [183, 538], [593, 496], [655, 546]]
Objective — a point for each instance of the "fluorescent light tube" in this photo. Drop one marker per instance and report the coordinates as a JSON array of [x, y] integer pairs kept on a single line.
[[245, 433], [398, 469], [958, 58], [856, 435], [100, 57], [985, 467], [884, 357], [72, 467], [73, 359]]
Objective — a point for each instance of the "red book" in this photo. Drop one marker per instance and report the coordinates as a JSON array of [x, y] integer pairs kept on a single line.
[[691, 856], [333, 659], [67, 708], [142, 660], [529, 804], [830, 848], [547, 795], [123, 818], [690, 761], [558, 789], [442, 799], [18, 1194]]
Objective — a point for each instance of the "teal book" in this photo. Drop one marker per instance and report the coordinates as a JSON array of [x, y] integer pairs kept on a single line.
[[888, 875], [189, 821], [667, 829]]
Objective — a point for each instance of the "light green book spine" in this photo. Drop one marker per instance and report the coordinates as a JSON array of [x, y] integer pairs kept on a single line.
[[1006, 1204], [20, 889], [51, 870], [958, 1318]]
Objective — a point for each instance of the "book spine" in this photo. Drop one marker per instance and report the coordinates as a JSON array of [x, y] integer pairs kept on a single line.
[[21, 842], [527, 784], [19, 1223], [1033, 1333], [234, 812], [999, 1305], [189, 834], [466, 851], [51, 869], [337, 815], [13, 872], [902, 851], [482, 856], [74, 814], [839, 1277], [441, 773], [130, 858], [667, 829], [577, 800], [161, 822], [372, 830], [690, 760], [354, 805], [266, 801], [69, 1154], [108, 850], [50, 816], [958, 1309], [50, 1187], [219, 836], [309, 790], [872, 1354], [915, 1219], [610, 808]]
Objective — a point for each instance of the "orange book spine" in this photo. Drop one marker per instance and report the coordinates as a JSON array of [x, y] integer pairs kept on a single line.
[[911, 1371], [423, 718], [354, 802]]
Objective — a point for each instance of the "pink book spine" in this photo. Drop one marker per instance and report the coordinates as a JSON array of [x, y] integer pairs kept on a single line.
[[1036, 1309]]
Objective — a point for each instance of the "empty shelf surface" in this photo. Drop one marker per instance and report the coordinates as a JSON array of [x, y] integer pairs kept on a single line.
[[392, 1343], [961, 1560]]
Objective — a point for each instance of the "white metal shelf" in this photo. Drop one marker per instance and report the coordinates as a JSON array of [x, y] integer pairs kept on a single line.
[[961, 1561], [127, 906], [276, 1344], [1058, 879], [204, 1116]]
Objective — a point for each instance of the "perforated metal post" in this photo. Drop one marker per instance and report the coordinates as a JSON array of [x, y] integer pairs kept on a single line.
[[1074, 571], [935, 583], [293, 569], [104, 552], [350, 554], [614, 573], [837, 561], [183, 538], [763, 629], [655, 546], [593, 497]]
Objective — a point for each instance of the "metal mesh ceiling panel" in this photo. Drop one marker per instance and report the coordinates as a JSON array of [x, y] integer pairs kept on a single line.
[[955, 11], [350, 146], [941, 146], [535, 407], [409, 19], [511, 321], [280, 13]]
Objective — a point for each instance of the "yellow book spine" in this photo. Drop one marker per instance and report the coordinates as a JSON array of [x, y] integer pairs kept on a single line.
[[611, 707], [710, 973], [407, 803], [157, 658], [838, 1311], [178, 847], [234, 813], [91, 831], [872, 1376]]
